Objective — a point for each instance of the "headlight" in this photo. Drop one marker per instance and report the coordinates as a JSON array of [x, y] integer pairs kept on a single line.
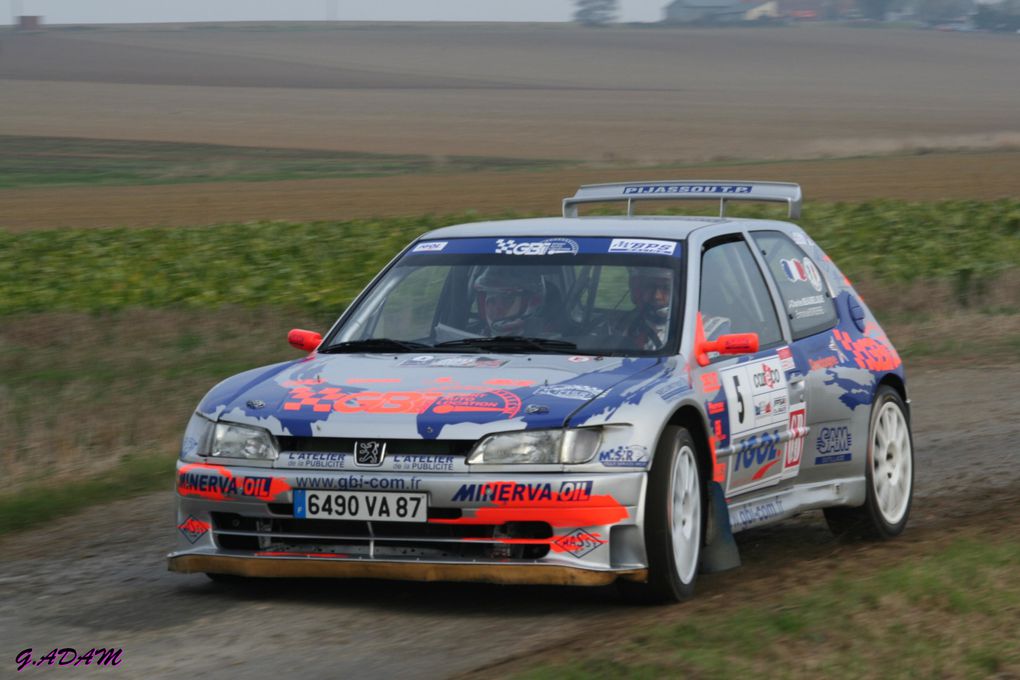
[[538, 447], [230, 440]]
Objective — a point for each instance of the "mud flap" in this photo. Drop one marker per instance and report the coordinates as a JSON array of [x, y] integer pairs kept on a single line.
[[720, 551]]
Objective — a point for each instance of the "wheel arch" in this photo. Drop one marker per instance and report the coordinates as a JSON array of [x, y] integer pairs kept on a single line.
[[897, 383], [691, 418]]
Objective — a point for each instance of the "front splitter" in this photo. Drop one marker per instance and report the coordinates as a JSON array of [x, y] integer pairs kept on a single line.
[[286, 567]]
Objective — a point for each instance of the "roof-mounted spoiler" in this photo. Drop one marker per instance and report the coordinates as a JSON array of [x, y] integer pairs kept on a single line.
[[686, 190]]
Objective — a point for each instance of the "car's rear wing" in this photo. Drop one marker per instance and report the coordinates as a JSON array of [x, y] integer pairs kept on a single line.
[[687, 190]]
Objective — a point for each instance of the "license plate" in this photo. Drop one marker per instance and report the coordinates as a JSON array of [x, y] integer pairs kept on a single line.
[[361, 505]]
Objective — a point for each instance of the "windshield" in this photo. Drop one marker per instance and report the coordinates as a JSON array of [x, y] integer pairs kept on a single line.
[[556, 295]]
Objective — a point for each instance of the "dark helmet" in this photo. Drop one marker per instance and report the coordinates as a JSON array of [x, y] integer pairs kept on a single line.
[[508, 296], [651, 291]]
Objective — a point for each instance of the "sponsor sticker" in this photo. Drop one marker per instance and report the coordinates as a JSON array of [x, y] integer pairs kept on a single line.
[[429, 247], [802, 271], [642, 245], [422, 463], [578, 543], [441, 400], [833, 444], [318, 460], [633, 456], [688, 189], [507, 492], [795, 447], [454, 361], [756, 513], [550, 246], [673, 390], [785, 358], [193, 529], [578, 392]]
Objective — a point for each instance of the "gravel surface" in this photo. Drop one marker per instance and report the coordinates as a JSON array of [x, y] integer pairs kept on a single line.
[[99, 579]]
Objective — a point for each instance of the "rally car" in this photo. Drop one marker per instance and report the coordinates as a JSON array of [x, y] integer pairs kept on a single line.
[[572, 400]]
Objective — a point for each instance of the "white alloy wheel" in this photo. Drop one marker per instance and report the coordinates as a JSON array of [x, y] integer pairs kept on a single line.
[[685, 514], [891, 463], [889, 474], [673, 521]]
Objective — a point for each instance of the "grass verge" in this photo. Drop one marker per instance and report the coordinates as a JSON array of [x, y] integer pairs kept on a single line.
[[963, 246], [70, 161], [951, 615], [41, 502]]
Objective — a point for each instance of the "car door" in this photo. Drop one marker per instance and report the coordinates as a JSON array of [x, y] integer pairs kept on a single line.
[[757, 415], [811, 311]]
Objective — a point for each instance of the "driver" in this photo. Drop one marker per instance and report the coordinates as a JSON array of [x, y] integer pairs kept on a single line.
[[510, 300], [651, 291]]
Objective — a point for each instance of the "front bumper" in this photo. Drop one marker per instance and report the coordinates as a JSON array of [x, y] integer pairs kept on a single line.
[[547, 528]]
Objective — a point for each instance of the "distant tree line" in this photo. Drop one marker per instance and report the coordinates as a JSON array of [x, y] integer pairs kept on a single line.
[[1004, 16], [595, 12]]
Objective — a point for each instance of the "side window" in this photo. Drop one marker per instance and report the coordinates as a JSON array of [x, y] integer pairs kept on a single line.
[[734, 296], [805, 295]]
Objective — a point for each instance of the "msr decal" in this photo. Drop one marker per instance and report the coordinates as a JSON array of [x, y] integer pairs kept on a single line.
[[633, 456], [193, 529], [578, 543], [215, 482], [833, 445]]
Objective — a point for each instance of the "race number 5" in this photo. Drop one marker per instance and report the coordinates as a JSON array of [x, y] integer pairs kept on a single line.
[[740, 399]]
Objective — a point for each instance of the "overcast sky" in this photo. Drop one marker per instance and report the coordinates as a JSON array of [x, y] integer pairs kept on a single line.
[[133, 11]]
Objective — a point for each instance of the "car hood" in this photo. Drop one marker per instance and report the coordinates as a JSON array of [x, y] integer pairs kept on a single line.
[[456, 396]]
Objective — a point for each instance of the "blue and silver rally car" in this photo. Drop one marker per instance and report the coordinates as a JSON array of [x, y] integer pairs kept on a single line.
[[563, 401]]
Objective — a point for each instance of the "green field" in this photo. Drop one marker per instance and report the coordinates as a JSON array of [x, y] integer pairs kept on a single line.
[[965, 245], [109, 337], [68, 161]]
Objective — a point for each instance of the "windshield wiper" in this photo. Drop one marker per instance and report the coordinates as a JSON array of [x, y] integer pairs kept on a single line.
[[374, 345], [511, 342]]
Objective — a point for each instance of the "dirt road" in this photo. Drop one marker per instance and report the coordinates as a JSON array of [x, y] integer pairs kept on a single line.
[[99, 579]]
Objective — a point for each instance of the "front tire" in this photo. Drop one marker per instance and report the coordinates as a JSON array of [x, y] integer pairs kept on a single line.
[[889, 475], [674, 522]]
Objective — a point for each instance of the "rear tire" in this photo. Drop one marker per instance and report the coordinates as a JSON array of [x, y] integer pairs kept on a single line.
[[889, 475], [674, 522]]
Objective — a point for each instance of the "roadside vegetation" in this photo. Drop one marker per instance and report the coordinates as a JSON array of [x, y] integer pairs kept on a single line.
[[949, 614], [69, 161], [109, 337]]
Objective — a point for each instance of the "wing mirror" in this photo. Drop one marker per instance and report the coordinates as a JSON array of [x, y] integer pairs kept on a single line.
[[304, 340], [734, 343]]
